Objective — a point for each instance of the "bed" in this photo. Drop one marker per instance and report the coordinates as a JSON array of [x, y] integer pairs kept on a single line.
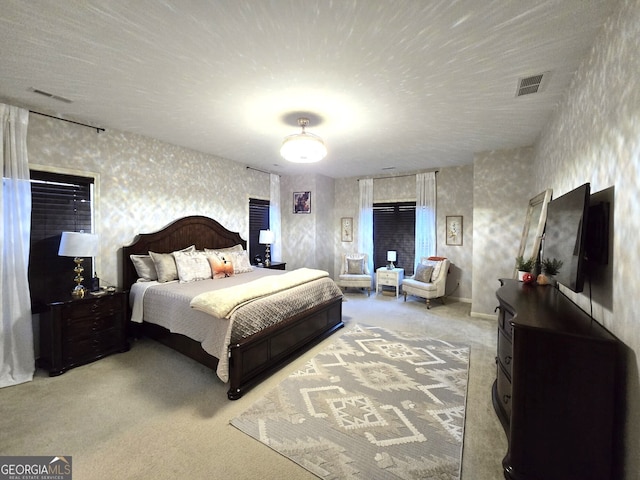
[[251, 358]]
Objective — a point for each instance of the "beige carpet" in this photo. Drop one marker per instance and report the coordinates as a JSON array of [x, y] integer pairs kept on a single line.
[[151, 413], [374, 404]]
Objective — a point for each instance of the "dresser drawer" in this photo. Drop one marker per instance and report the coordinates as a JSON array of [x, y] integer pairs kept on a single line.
[[106, 305], [505, 352], [504, 392]]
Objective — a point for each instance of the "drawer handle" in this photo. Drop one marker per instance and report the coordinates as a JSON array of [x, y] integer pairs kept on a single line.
[[497, 308], [507, 360], [506, 398]]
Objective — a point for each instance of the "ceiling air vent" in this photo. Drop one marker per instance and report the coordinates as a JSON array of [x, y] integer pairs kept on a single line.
[[50, 95], [532, 84]]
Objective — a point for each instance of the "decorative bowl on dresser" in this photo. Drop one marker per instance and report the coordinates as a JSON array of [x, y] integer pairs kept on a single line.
[[557, 387], [77, 331]]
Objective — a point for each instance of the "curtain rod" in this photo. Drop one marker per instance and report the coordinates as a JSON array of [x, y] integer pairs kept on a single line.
[[399, 176], [258, 170], [97, 129]]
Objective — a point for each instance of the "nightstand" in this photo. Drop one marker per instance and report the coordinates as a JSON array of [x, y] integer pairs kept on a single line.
[[274, 265], [74, 332], [390, 278]]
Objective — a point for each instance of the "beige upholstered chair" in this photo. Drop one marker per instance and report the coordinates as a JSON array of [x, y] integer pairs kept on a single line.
[[427, 288], [354, 272]]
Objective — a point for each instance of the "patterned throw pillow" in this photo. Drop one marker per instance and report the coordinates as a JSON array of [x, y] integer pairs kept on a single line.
[[423, 273], [240, 262], [192, 266], [355, 266], [221, 265], [437, 266]]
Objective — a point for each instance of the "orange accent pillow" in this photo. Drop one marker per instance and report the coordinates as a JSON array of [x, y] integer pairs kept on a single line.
[[220, 266], [437, 259]]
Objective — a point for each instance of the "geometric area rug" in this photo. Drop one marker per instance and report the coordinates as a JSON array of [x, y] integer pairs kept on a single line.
[[375, 404]]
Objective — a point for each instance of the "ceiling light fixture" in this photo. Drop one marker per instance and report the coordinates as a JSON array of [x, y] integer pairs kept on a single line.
[[303, 147]]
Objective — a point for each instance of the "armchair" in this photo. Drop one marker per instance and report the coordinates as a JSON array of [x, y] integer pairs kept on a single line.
[[354, 272], [429, 280]]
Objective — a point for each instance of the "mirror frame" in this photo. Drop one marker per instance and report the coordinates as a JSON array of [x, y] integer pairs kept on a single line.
[[542, 198]]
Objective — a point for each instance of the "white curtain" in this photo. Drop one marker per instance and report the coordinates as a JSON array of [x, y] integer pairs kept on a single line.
[[365, 219], [16, 333], [275, 217], [425, 215]]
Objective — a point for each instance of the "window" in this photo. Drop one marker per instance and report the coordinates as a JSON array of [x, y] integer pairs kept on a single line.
[[59, 203], [258, 220], [394, 228]]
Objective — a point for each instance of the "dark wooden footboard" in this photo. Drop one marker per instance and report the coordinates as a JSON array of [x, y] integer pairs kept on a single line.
[[265, 352]]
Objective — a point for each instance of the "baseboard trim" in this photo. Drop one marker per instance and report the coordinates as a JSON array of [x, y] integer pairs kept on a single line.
[[486, 316]]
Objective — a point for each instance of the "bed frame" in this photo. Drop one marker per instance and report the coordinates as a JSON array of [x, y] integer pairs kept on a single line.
[[255, 357]]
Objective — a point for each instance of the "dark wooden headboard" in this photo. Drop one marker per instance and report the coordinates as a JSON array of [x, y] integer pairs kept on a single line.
[[203, 232]]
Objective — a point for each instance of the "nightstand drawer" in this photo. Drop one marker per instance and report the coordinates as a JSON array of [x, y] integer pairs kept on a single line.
[[86, 326], [92, 347], [106, 305], [387, 278]]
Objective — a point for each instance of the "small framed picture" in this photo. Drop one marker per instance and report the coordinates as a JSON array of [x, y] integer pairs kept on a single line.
[[346, 227], [454, 230], [301, 202]]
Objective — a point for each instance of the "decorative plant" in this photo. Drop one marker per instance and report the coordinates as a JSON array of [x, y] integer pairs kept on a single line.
[[551, 267], [525, 265]]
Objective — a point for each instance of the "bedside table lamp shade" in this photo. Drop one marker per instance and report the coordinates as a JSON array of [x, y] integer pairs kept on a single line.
[[391, 257], [79, 246], [267, 237]]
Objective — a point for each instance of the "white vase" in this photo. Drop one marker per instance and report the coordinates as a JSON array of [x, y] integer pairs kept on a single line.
[[521, 275]]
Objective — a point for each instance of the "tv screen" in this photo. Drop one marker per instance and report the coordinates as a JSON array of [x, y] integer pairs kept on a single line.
[[565, 235]]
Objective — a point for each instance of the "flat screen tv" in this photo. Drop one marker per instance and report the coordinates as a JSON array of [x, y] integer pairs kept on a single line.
[[565, 235]]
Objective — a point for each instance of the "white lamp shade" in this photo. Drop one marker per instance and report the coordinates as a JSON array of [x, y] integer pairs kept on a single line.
[[266, 237], [75, 244], [303, 148], [391, 256]]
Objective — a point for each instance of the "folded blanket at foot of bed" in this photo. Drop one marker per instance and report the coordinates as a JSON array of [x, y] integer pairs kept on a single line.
[[222, 303]]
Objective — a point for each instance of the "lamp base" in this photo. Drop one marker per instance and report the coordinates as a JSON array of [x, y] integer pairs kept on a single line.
[[391, 266], [267, 255], [78, 291]]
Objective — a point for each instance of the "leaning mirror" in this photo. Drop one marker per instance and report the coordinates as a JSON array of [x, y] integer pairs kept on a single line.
[[534, 227]]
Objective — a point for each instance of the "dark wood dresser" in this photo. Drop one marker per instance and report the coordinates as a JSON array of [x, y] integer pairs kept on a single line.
[[74, 332], [556, 387], [276, 265]]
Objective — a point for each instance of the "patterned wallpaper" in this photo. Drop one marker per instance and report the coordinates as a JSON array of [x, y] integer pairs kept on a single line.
[[502, 188], [144, 184], [595, 137]]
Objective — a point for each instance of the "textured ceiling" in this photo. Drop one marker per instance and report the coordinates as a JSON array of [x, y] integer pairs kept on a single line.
[[391, 86]]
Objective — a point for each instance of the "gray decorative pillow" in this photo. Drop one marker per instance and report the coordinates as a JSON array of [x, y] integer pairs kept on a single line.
[[144, 267], [423, 273], [165, 264], [192, 266], [355, 266]]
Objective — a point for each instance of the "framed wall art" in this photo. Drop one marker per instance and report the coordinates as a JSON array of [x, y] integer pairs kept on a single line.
[[346, 227], [454, 230], [301, 202]]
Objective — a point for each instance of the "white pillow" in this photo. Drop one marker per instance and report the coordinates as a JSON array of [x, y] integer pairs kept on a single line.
[[240, 261], [192, 266], [144, 267]]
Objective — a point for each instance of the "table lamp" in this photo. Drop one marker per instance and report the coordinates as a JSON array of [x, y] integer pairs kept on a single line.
[[78, 245], [267, 237], [391, 257]]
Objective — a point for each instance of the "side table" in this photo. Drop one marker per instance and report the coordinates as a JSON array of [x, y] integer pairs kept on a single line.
[[390, 278]]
